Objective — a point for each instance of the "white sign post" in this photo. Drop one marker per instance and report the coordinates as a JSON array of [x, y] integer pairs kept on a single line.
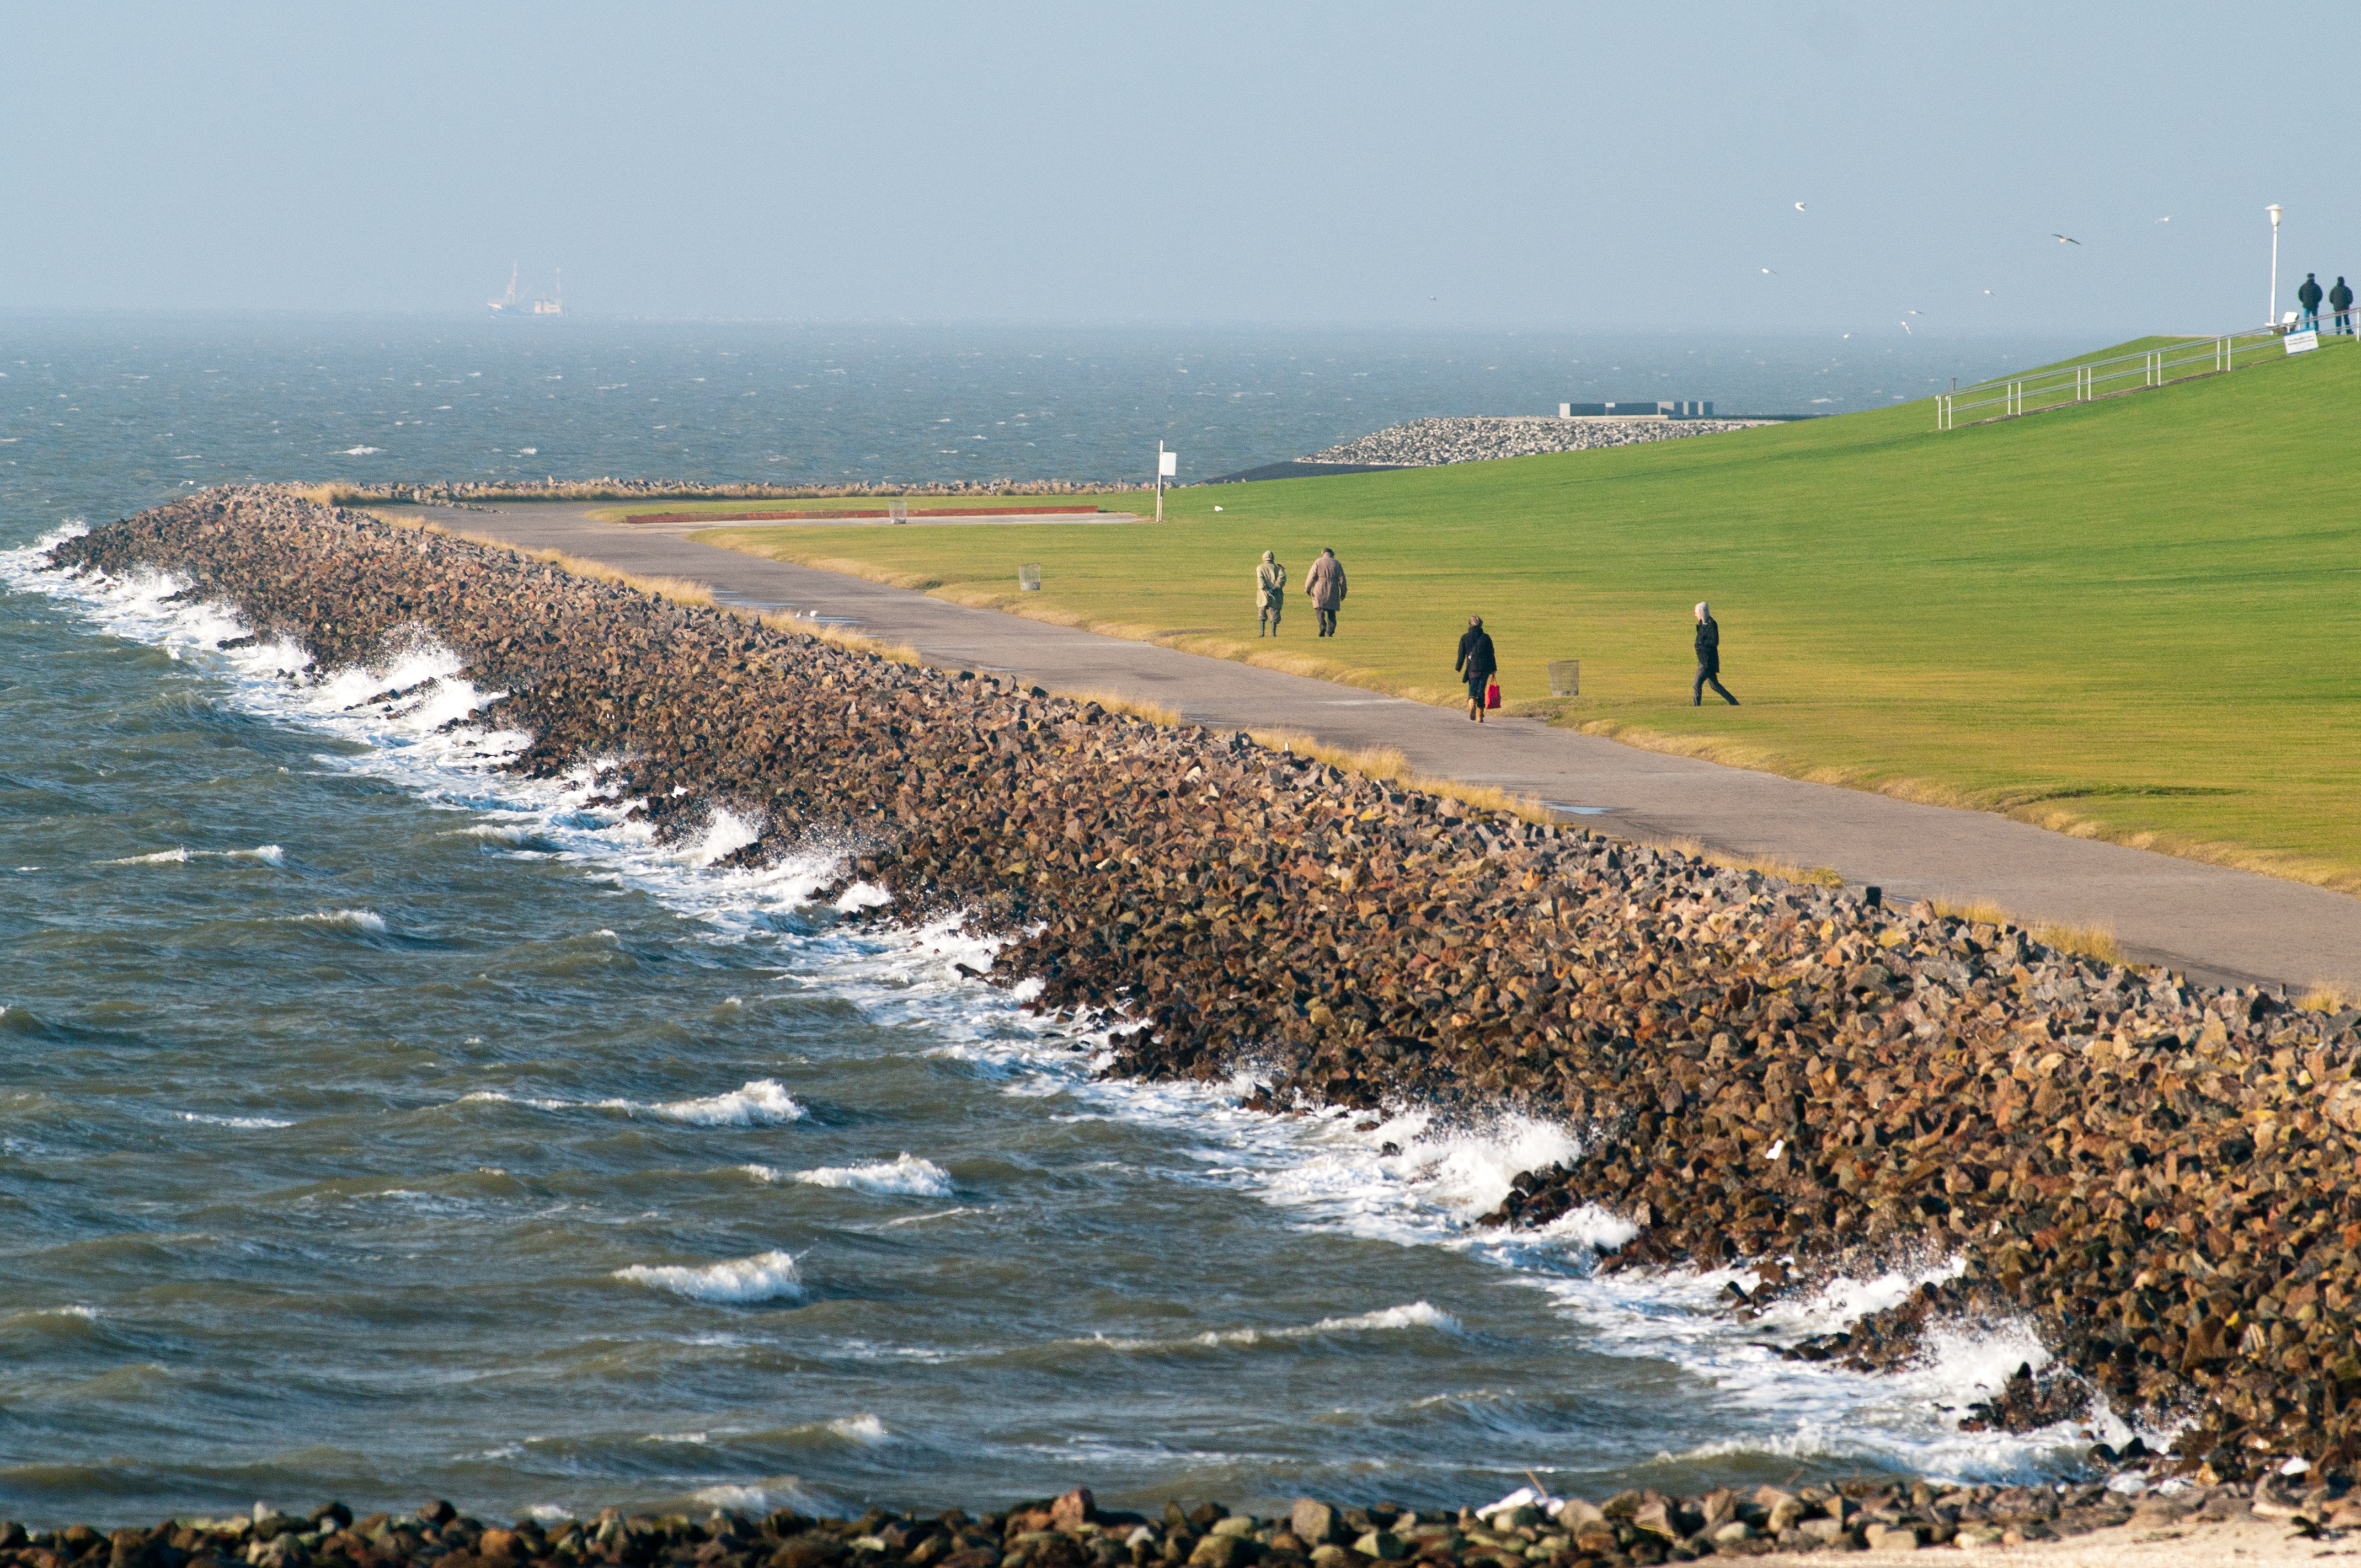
[[1168, 466], [2302, 342], [2274, 317]]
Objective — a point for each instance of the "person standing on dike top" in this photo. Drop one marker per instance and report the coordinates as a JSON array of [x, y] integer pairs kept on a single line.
[[1709, 657], [2309, 298], [1476, 661], [1271, 595], [2340, 304], [1325, 585]]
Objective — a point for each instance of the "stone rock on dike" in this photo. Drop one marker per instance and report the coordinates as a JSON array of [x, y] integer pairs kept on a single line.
[[1767, 1076]]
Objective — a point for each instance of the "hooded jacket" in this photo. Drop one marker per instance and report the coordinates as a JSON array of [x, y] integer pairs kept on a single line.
[[1270, 585]]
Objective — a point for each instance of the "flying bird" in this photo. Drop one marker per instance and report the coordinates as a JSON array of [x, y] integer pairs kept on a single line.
[[1768, 273], [2063, 240], [1917, 312], [1905, 326], [1799, 206], [1988, 293], [2164, 220]]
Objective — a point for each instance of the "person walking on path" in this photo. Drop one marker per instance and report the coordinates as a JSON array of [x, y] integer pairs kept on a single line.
[[2309, 298], [1476, 661], [1271, 595], [1708, 656], [1325, 585], [2340, 303]]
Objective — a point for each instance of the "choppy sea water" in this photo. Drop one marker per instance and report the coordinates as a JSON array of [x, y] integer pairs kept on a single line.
[[375, 1126]]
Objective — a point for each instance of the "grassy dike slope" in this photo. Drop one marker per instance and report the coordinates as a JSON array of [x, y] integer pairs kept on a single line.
[[2134, 618]]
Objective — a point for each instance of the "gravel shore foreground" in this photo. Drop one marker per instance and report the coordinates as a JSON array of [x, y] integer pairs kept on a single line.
[[1767, 1076], [1073, 1531]]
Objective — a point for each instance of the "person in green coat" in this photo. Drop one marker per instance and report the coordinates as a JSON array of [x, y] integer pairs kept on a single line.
[[1271, 595]]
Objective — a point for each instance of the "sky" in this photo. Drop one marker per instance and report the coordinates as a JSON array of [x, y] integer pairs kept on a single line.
[[1552, 166]]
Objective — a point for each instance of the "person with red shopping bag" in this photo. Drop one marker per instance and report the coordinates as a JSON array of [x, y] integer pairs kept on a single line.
[[1477, 662]]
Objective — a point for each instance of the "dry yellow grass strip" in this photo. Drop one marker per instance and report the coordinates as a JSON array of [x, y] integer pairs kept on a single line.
[[838, 637], [2096, 943], [1977, 912], [1115, 702], [1388, 765], [2326, 999], [1769, 865]]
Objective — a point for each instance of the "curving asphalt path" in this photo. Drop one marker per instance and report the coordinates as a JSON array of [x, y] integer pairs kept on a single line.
[[2216, 923]]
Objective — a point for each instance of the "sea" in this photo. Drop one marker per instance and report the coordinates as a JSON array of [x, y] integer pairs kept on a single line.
[[378, 1126]]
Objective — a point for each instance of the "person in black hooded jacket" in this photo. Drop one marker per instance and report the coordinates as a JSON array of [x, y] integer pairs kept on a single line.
[[2309, 298], [1709, 657], [1477, 662], [2339, 303]]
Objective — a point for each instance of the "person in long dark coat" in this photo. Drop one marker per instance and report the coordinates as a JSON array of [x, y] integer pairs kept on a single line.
[[2309, 298], [2340, 303], [1325, 584], [1477, 662], [1709, 657]]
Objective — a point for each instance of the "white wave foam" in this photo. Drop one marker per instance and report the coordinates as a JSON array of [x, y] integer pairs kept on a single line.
[[905, 1174], [763, 1101], [766, 1277], [863, 895], [268, 854], [248, 1122], [865, 1429], [768, 1495], [359, 451], [725, 834], [1414, 1315], [351, 920]]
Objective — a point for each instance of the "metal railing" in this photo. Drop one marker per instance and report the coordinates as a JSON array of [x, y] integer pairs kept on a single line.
[[2017, 395]]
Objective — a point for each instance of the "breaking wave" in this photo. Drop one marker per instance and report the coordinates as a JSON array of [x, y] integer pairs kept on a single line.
[[766, 1277]]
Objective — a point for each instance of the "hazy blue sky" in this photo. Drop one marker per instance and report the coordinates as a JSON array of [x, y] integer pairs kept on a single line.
[[1564, 165]]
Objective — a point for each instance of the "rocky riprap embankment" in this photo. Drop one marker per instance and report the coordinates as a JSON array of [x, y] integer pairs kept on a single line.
[[1428, 443], [1073, 1531], [2158, 1176]]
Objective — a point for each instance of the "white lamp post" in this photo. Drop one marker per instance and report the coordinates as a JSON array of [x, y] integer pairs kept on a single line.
[[2274, 210]]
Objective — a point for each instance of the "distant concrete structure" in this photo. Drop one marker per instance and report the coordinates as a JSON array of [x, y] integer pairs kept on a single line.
[[1638, 407]]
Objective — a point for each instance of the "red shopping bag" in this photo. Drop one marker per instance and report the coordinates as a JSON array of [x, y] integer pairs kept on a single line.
[[1492, 695]]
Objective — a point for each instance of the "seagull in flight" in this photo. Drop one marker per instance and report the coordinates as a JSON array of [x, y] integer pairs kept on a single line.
[[1988, 293], [2063, 240], [1799, 206], [1768, 273], [1905, 326], [2164, 220]]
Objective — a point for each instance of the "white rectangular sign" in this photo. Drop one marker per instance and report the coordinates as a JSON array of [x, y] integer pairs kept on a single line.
[[1167, 464], [2302, 342]]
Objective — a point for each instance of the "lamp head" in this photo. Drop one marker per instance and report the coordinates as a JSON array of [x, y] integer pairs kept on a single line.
[[2274, 210]]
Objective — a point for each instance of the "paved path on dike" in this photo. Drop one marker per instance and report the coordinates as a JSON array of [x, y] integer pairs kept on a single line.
[[2217, 923]]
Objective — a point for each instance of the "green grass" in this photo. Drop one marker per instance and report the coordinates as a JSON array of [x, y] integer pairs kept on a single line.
[[2134, 618]]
